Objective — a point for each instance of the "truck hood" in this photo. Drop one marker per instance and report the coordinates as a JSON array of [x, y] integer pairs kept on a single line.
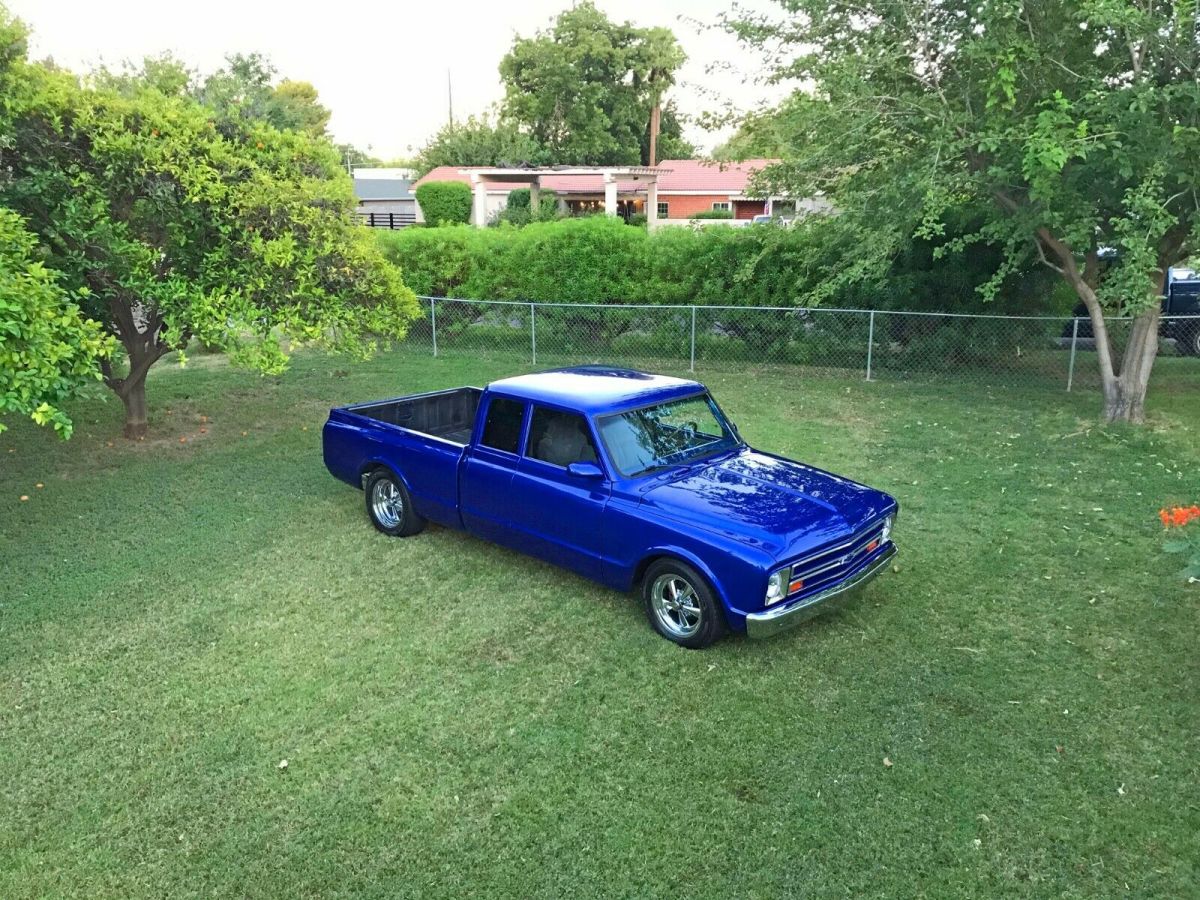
[[783, 507]]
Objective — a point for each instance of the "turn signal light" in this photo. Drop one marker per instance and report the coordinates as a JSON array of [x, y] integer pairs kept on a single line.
[[871, 547], [795, 585]]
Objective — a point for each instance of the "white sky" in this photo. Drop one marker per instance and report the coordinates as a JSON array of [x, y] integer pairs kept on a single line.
[[381, 66]]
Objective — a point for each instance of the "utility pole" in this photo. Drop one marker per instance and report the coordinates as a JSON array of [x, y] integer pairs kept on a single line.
[[450, 96]]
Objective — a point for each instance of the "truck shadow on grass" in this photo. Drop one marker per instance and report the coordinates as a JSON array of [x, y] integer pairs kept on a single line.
[[533, 593]]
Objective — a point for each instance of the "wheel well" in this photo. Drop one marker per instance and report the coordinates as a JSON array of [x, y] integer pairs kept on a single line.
[[640, 572], [367, 471]]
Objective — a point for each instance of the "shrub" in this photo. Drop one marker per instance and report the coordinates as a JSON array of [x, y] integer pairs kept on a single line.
[[713, 214], [48, 348], [599, 259], [1185, 538], [518, 213], [445, 202]]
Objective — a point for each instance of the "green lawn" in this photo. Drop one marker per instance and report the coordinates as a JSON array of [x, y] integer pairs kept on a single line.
[[458, 720]]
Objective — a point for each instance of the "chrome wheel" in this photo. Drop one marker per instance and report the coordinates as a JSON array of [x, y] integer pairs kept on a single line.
[[387, 504], [675, 605]]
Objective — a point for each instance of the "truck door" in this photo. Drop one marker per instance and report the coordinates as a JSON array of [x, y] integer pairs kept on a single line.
[[485, 487], [560, 513]]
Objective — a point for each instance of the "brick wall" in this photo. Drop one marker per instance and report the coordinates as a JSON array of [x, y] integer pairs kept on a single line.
[[684, 206]]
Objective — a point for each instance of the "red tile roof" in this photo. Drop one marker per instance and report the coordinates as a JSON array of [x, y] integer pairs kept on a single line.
[[684, 175]]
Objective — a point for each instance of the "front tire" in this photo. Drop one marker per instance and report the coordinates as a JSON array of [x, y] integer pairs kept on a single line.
[[389, 505], [681, 605]]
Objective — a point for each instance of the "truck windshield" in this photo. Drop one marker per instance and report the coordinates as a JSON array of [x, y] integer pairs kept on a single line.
[[657, 437]]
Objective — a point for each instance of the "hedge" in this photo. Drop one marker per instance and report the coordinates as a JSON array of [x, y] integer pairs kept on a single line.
[[600, 259], [445, 202]]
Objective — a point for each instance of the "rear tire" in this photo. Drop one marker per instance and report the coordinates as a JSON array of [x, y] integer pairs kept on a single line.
[[389, 505], [681, 605]]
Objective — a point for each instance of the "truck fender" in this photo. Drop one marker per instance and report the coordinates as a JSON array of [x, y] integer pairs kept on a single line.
[[374, 463], [688, 557]]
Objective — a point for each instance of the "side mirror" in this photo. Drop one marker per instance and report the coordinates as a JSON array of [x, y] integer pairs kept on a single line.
[[585, 470]]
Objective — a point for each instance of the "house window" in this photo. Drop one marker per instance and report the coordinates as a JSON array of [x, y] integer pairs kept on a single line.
[[663, 210], [721, 204]]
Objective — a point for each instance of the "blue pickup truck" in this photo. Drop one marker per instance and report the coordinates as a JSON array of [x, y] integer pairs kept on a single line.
[[634, 480]]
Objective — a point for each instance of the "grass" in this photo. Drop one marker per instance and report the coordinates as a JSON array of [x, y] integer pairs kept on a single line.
[[177, 618]]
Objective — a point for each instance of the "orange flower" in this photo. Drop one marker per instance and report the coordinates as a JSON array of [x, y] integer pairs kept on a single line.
[[1178, 516]]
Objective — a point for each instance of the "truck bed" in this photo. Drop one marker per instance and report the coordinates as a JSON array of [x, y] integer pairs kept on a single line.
[[449, 415]]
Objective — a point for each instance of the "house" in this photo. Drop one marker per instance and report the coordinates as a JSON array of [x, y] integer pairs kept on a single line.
[[385, 197], [681, 188]]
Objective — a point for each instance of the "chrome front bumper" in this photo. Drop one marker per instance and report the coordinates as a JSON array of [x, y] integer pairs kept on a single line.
[[781, 618]]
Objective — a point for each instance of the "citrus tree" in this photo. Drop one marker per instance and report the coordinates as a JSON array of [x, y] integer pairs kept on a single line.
[[1075, 125], [169, 224], [48, 350]]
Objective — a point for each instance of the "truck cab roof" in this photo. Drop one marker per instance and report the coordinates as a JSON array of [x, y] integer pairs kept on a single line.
[[595, 390]]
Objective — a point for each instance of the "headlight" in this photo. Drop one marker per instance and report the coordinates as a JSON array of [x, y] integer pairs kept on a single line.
[[777, 586], [886, 534]]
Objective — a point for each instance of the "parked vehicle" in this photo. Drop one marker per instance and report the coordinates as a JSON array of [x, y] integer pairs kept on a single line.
[[634, 480], [764, 219], [1180, 309]]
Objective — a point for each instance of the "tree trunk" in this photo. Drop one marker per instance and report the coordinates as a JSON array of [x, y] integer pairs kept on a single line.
[[1125, 397], [144, 349], [1124, 391], [133, 395], [655, 114]]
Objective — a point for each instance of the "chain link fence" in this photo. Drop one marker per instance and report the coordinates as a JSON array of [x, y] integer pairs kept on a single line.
[[993, 350]]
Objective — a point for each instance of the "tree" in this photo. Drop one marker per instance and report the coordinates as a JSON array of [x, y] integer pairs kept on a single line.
[[671, 143], [48, 350], [1078, 121], [477, 142], [585, 88], [241, 92], [298, 109], [445, 202], [168, 224], [164, 73]]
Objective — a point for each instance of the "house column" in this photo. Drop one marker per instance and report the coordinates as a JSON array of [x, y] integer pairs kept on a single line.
[[535, 197], [610, 194], [479, 204], [652, 203]]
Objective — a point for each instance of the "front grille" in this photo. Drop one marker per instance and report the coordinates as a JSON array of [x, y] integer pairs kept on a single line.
[[830, 565]]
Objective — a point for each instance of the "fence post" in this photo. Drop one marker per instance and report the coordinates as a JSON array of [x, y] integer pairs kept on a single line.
[[870, 342], [433, 321], [533, 330], [692, 356], [1074, 340]]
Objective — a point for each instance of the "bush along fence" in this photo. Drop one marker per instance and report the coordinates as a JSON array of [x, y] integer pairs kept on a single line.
[[1050, 351]]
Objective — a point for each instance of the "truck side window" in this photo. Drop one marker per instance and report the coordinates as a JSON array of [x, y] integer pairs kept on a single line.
[[559, 438], [502, 430]]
